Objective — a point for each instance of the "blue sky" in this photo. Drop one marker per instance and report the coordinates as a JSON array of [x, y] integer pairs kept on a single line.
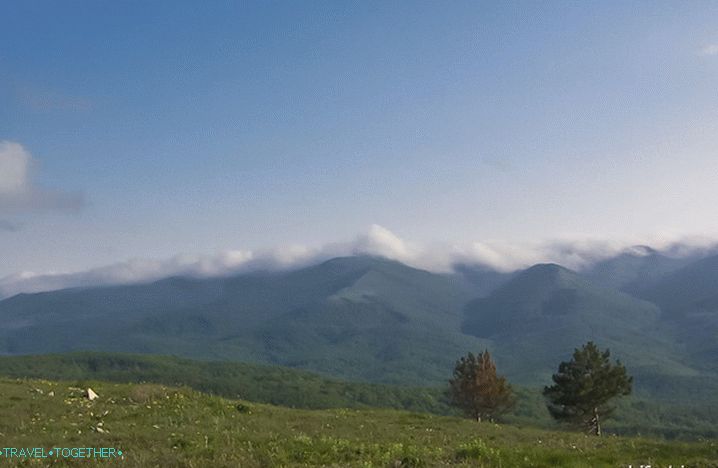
[[148, 129]]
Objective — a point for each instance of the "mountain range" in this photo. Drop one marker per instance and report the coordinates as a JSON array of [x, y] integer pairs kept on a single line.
[[372, 319]]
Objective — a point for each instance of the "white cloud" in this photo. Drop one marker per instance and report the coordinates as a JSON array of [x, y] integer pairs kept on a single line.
[[14, 164], [710, 49], [382, 242], [128, 272], [575, 253], [17, 191], [504, 256], [377, 241]]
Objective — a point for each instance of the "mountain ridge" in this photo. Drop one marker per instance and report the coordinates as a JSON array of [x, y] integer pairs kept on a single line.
[[360, 318]]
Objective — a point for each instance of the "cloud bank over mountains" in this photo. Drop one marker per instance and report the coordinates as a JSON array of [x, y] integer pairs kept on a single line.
[[378, 241]]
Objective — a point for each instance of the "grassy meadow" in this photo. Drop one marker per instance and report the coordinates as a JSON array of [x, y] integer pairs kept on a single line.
[[161, 426]]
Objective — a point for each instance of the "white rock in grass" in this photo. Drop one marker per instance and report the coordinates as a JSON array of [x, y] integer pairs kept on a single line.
[[90, 394]]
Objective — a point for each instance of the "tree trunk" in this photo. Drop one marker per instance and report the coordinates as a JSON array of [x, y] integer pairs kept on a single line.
[[596, 423]]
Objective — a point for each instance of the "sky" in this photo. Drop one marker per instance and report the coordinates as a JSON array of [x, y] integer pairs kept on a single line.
[[186, 133]]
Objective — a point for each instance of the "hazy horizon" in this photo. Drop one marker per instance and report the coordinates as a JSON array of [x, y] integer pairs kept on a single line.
[[445, 257]]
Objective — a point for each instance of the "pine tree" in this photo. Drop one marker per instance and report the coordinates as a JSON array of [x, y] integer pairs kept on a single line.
[[478, 390], [584, 386]]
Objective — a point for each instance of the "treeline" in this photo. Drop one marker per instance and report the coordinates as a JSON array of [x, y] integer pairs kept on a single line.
[[264, 384], [298, 389]]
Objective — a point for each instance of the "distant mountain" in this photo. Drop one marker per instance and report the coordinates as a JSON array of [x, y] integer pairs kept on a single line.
[[634, 269], [480, 279], [685, 287], [544, 312], [372, 319], [689, 298], [354, 317]]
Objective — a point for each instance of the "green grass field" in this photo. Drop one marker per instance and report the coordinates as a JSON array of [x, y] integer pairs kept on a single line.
[[680, 418], [163, 426]]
